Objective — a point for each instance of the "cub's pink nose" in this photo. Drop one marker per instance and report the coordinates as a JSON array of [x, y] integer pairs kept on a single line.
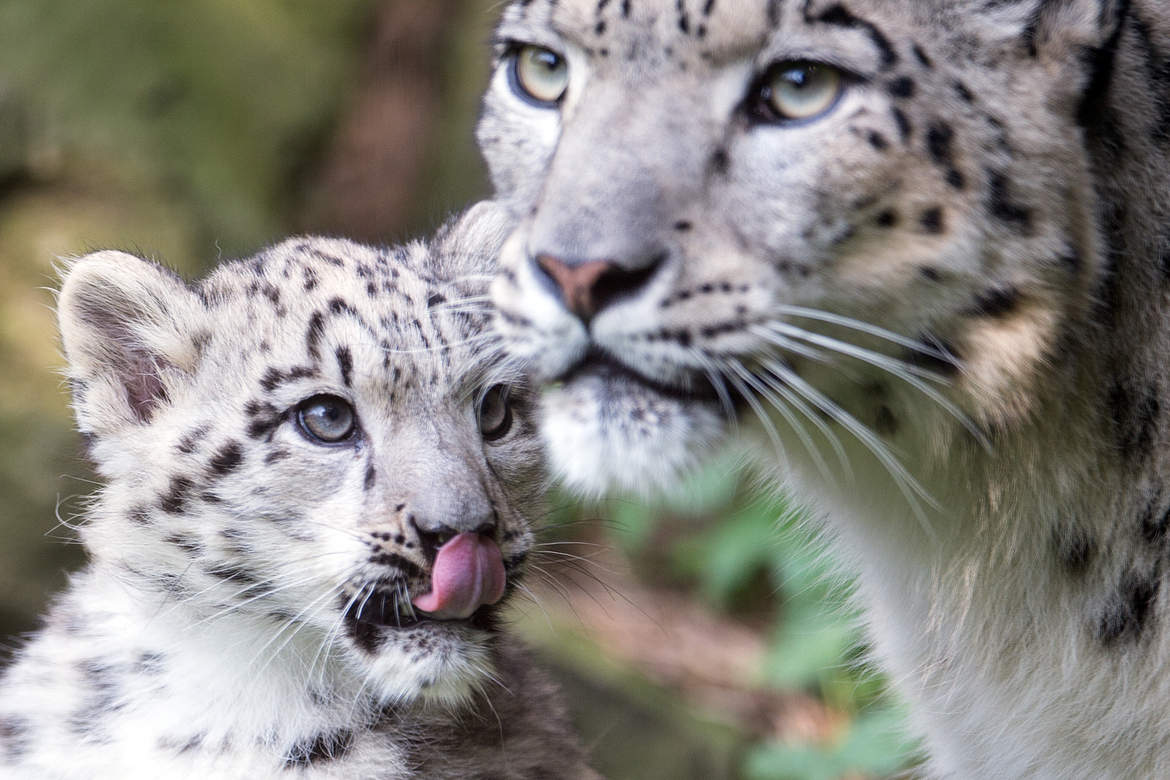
[[468, 573]]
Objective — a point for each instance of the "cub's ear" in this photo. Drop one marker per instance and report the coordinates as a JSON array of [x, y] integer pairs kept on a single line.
[[131, 331]]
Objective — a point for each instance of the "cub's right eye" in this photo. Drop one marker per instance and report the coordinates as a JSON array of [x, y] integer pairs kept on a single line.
[[327, 419], [495, 413], [539, 75]]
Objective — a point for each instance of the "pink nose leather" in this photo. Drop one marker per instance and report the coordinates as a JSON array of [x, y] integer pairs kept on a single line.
[[468, 573]]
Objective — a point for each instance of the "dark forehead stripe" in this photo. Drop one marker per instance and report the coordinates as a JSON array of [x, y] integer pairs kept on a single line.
[[315, 332], [274, 377], [1002, 207], [841, 16], [227, 458], [174, 501], [345, 363], [772, 12]]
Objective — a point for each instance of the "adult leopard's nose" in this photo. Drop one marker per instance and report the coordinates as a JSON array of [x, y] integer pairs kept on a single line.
[[588, 287]]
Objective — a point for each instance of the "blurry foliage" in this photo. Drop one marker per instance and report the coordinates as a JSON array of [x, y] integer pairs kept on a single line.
[[215, 101], [873, 745], [749, 553]]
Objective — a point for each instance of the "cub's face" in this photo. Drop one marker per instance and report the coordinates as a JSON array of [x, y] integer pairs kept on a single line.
[[837, 215], [319, 448]]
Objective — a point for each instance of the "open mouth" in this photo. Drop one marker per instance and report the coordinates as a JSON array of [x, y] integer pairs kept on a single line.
[[385, 608], [369, 620], [468, 578]]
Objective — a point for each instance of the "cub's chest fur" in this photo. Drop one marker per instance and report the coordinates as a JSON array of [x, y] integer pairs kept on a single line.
[[916, 248], [319, 474]]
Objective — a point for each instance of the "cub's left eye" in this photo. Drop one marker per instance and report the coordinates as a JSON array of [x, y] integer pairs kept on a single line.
[[539, 75], [791, 91], [327, 419], [495, 413]]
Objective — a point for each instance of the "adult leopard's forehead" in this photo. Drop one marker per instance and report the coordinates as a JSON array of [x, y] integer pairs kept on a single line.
[[299, 296], [637, 31]]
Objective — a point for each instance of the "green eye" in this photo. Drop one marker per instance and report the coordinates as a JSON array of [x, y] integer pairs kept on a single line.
[[327, 419], [798, 90], [539, 74]]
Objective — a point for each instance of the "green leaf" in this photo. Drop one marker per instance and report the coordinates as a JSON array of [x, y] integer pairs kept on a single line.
[[813, 641], [876, 745]]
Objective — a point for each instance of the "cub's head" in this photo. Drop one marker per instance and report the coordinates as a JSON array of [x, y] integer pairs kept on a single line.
[[318, 450], [842, 216]]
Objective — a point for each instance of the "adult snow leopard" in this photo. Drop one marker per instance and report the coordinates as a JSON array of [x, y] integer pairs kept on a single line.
[[319, 473], [920, 250]]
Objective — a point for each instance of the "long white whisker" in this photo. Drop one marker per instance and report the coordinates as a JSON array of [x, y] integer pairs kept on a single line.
[[795, 400], [793, 422], [295, 620], [765, 420], [719, 382], [791, 345], [239, 605], [852, 350], [904, 479], [865, 327], [487, 336], [910, 374]]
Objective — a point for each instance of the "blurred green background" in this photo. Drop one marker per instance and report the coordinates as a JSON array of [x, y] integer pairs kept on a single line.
[[698, 637]]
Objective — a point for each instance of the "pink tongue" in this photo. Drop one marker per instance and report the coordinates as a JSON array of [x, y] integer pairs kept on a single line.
[[468, 572]]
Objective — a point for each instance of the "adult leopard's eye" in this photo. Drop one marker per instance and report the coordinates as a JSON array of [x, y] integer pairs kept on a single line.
[[797, 90], [495, 413], [539, 74], [327, 418]]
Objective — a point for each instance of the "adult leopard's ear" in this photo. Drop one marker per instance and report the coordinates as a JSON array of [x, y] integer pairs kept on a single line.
[[131, 331], [1081, 30], [1079, 39], [470, 243], [1056, 25]]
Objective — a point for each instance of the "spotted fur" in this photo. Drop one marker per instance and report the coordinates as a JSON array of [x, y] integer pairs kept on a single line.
[[938, 310], [246, 612]]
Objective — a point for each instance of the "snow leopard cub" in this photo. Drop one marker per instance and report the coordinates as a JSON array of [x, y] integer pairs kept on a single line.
[[319, 475]]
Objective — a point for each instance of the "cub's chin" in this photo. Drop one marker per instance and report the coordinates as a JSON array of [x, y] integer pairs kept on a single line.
[[607, 429]]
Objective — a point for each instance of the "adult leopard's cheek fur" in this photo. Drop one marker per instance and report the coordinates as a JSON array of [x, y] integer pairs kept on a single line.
[[605, 433], [529, 315]]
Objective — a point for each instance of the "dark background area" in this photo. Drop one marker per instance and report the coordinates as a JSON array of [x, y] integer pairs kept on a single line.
[[695, 638]]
